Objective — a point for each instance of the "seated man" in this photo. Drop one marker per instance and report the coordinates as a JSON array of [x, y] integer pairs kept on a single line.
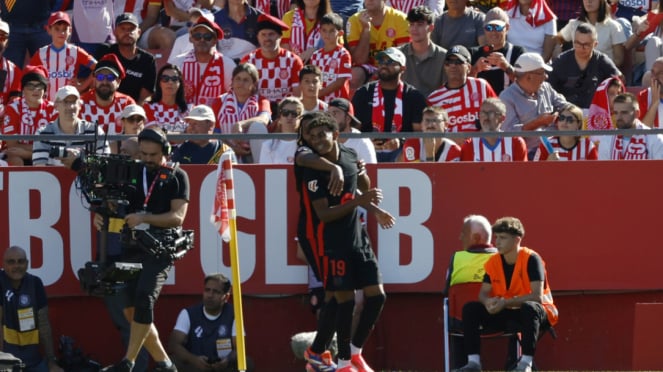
[[515, 290], [24, 312], [200, 120], [204, 335]]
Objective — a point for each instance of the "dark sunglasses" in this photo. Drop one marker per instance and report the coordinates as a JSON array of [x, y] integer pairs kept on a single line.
[[286, 113], [20, 261], [199, 35], [450, 62], [166, 78], [134, 119], [568, 119], [497, 28], [107, 77]]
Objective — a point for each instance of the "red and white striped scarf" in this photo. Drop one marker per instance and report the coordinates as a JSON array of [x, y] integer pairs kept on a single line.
[[378, 109], [202, 89], [405, 5], [265, 6], [299, 39], [11, 80], [230, 113], [539, 12]]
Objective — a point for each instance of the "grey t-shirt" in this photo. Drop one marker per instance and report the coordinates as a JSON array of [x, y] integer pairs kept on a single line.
[[464, 30]]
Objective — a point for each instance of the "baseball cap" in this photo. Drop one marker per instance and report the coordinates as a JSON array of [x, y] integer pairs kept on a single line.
[[496, 16], [346, 106], [530, 62], [132, 110], [4, 26], [195, 11], [34, 73], [59, 17], [65, 92], [201, 112], [126, 18], [460, 52], [266, 21], [393, 54], [210, 25], [112, 63]]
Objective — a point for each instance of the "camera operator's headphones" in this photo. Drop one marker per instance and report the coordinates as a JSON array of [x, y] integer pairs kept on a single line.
[[156, 135]]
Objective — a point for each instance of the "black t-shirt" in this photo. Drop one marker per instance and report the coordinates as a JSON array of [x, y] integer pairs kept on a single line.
[[141, 71], [169, 185], [535, 270], [496, 77], [413, 104]]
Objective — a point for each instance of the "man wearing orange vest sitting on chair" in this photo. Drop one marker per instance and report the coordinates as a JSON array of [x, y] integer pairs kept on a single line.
[[515, 290]]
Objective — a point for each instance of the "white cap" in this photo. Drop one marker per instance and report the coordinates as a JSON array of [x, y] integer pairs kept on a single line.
[[65, 92], [530, 62], [201, 112], [132, 110], [4, 26]]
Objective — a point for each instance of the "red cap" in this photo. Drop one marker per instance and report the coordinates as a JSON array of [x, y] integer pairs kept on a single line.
[[272, 23], [59, 17], [212, 26], [110, 61]]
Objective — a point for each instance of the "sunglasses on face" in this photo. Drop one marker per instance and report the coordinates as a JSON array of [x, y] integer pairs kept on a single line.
[[166, 78], [134, 119], [569, 119], [497, 28], [108, 77], [202, 36], [287, 113]]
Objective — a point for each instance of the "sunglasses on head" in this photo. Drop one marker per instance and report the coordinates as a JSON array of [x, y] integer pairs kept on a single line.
[[107, 77], [199, 36], [497, 28], [166, 78], [568, 119], [286, 113]]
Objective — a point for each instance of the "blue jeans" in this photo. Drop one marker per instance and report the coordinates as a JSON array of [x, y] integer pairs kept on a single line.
[[22, 38]]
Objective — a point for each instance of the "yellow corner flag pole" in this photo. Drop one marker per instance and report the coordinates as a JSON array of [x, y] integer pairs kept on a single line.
[[224, 217]]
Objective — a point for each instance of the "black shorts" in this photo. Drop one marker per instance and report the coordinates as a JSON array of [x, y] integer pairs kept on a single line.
[[352, 268], [314, 259]]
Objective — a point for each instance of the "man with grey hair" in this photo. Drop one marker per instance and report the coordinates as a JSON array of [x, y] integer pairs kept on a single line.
[[578, 72]]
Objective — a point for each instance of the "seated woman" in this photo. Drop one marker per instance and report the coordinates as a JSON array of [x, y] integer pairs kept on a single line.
[[133, 120], [167, 107], [282, 151], [567, 147], [600, 111], [303, 37], [532, 26]]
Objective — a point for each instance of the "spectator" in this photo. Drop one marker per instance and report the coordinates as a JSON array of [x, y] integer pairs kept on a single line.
[[610, 35], [343, 112], [531, 103], [303, 37], [10, 74], [651, 96], [494, 61], [633, 147], [533, 27], [93, 24], [459, 25], [527, 301], [423, 57], [239, 22], [388, 104], [310, 81], [104, 104], [200, 120], [405, 6], [61, 59], [68, 104], [462, 95], [371, 31], [25, 314], [167, 107], [140, 66], [567, 147], [333, 59], [27, 114], [153, 34], [133, 120], [493, 148], [204, 335], [431, 148], [648, 30], [282, 151], [278, 68], [243, 110], [27, 19], [600, 111], [577, 73], [182, 44], [206, 73]]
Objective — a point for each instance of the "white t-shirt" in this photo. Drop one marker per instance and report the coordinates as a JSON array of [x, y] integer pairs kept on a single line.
[[278, 151], [531, 38], [610, 33], [364, 148], [94, 21]]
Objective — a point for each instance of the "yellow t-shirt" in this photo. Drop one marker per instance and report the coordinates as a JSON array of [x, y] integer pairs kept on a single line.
[[392, 32], [287, 19]]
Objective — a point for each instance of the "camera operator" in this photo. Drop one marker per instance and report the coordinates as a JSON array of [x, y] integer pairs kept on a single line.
[[66, 152], [159, 204]]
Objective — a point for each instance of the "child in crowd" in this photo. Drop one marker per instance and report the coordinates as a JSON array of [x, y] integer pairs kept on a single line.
[[310, 83], [333, 59]]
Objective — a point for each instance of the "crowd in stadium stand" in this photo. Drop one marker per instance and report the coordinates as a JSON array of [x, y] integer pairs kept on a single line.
[[545, 65]]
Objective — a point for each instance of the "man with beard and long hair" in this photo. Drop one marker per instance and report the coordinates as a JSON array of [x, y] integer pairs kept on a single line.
[[389, 104], [104, 104]]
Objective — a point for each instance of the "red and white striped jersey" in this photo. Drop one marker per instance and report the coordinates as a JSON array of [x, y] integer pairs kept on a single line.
[[62, 65], [12, 81], [336, 64], [584, 149], [202, 87], [21, 119], [462, 104], [277, 76], [414, 151], [167, 117], [506, 149], [108, 117], [265, 6], [405, 5]]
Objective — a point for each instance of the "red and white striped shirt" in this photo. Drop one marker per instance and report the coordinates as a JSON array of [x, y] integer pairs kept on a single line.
[[167, 117], [406, 5], [415, 151], [203, 86], [62, 65], [108, 117], [229, 112], [21, 119], [12, 81], [584, 149], [336, 64], [277, 76], [462, 104], [506, 149], [265, 6]]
